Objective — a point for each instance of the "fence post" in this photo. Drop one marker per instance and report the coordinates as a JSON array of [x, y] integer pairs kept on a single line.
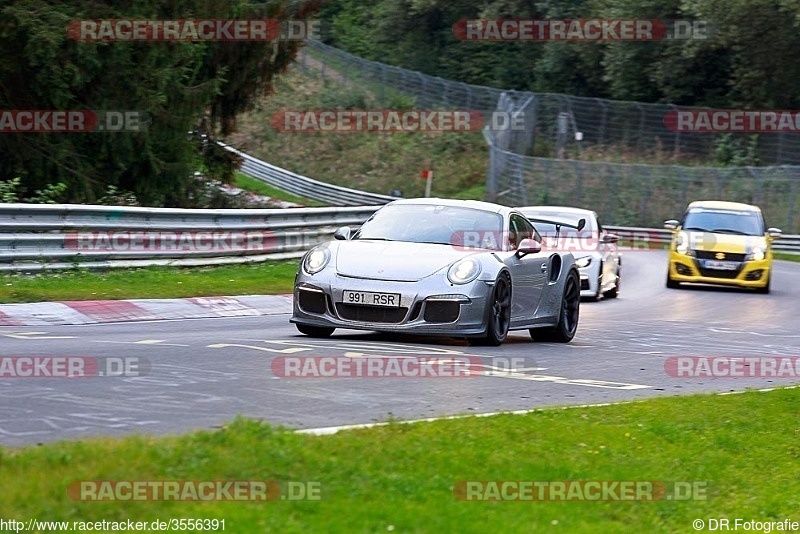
[[491, 172]]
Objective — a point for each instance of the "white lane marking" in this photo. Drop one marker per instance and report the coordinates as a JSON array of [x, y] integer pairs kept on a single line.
[[326, 431], [763, 390], [571, 381], [160, 342], [35, 335], [290, 350]]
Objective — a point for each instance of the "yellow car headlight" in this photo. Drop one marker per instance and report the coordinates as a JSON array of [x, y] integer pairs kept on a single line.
[[758, 254]]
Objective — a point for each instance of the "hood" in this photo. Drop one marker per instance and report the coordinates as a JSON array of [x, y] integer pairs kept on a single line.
[[733, 244], [394, 260]]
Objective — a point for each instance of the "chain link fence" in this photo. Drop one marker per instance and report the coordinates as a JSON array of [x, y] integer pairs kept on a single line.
[[639, 194], [531, 166], [607, 128]]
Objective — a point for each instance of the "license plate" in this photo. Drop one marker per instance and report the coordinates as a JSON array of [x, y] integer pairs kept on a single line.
[[721, 265], [369, 298]]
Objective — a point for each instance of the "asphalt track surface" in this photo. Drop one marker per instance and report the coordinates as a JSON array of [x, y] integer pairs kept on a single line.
[[204, 372]]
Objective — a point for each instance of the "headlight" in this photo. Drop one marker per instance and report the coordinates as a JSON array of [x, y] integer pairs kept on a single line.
[[316, 260], [757, 254], [583, 262], [682, 244], [464, 271]]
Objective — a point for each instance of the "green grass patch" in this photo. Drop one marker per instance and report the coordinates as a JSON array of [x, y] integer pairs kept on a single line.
[[788, 256], [247, 183], [401, 477], [368, 161], [151, 282]]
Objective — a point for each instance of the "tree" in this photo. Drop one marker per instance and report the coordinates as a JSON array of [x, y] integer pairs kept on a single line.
[[180, 86]]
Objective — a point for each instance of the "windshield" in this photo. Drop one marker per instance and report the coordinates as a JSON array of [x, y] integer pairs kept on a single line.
[[724, 222], [428, 223]]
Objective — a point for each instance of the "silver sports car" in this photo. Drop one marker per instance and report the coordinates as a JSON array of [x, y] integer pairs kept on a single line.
[[458, 268]]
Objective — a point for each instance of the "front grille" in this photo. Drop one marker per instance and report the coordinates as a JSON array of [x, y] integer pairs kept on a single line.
[[311, 301], [719, 273], [441, 311], [709, 255], [370, 314]]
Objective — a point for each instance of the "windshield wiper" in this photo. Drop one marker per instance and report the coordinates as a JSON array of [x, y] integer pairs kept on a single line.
[[694, 229]]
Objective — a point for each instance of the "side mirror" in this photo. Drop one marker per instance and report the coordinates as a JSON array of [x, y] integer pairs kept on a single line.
[[528, 246], [609, 238], [671, 224], [342, 234], [774, 233]]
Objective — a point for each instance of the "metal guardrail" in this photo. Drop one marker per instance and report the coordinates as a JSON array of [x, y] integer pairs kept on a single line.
[[58, 236], [787, 243], [61, 236], [303, 186]]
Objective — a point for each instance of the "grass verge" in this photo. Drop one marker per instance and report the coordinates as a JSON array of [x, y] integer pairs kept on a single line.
[[150, 282], [401, 477], [786, 256], [243, 181]]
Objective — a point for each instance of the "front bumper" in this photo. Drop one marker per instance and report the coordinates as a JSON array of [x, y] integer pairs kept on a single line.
[[425, 308], [753, 273]]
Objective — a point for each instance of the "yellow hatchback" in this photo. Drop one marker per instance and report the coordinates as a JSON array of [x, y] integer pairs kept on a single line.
[[721, 243]]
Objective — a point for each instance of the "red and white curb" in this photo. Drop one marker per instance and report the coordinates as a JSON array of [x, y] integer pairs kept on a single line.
[[114, 311]]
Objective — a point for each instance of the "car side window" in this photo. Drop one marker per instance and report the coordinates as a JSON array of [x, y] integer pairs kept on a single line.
[[520, 229], [530, 231]]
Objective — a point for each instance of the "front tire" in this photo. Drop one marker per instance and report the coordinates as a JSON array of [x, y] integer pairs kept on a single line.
[[314, 331], [498, 316], [672, 284], [614, 291], [567, 325], [765, 290]]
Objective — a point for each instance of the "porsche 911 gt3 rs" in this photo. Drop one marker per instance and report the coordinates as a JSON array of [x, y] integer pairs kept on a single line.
[[439, 267]]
